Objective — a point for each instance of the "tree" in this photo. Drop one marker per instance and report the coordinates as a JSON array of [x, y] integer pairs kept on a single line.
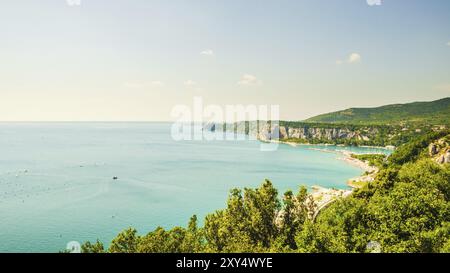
[[427, 174], [248, 222], [339, 228], [125, 242], [292, 217], [402, 217], [214, 232], [194, 239], [88, 247], [261, 206]]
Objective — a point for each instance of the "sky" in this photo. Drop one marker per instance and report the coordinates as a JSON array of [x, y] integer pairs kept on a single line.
[[135, 60]]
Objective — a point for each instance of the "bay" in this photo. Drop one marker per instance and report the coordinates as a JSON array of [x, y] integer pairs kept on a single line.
[[57, 186]]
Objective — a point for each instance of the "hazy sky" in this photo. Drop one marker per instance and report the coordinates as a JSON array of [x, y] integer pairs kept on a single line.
[[137, 59]]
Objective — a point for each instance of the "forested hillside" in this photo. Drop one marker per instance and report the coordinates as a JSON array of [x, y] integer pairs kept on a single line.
[[434, 112]]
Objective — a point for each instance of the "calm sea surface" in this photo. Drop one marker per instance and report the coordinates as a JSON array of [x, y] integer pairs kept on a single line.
[[56, 179]]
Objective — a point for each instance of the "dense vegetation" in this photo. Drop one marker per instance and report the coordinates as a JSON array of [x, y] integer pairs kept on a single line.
[[374, 160], [434, 112], [378, 135], [406, 209]]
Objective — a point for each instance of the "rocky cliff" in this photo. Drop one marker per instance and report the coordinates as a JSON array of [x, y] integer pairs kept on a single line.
[[440, 151], [306, 133], [301, 132]]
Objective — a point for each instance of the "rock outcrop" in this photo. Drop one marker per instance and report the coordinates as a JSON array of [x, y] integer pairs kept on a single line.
[[432, 149], [267, 131], [444, 158], [440, 151]]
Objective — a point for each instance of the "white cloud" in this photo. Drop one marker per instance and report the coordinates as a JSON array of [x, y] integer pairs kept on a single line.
[[207, 52], [354, 58], [248, 80], [190, 83], [351, 59], [448, 43], [374, 2], [73, 2]]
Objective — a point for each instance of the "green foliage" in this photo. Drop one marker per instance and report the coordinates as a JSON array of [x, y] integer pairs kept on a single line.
[[378, 134], [427, 174], [435, 112], [376, 160], [340, 228], [88, 247], [125, 242], [403, 211], [410, 151], [402, 216], [248, 222], [294, 215], [358, 134]]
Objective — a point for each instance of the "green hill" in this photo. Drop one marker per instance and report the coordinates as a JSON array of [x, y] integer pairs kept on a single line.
[[434, 112]]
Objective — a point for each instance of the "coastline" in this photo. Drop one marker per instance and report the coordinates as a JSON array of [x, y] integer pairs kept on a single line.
[[326, 196], [323, 197], [346, 156], [295, 144]]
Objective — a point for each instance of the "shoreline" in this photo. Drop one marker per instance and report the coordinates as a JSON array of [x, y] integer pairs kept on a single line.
[[322, 196], [346, 155], [295, 144]]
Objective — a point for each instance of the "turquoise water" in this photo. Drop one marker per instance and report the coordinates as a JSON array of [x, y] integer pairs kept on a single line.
[[56, 180]]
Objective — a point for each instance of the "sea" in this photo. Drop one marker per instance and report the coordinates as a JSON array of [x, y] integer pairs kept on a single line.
[[72, 182]]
